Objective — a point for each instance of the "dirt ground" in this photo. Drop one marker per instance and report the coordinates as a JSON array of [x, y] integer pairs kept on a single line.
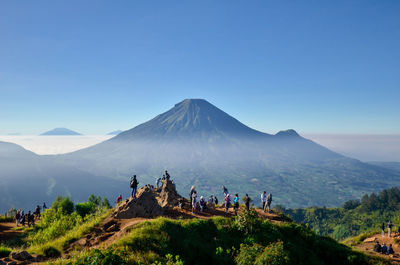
[[6, 231], [368, 247]]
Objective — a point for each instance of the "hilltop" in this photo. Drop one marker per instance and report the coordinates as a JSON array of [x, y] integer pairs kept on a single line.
[[61, 131]]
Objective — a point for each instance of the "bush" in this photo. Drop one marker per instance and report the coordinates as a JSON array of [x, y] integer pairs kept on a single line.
[[248, 254], [247, 222], [108, 257], [273, 254], [85, 208], [63, 203], [51, 252], [4, 252]]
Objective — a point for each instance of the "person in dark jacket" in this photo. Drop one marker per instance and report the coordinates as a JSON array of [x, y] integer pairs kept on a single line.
[[390, 225], [134, 184], [166, 176], [247, 201], [377, 247], [390, 250], [384, 249]]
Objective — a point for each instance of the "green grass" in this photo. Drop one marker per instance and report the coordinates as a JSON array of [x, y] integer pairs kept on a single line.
[[4, 219], [39, 246], [222, 241], [4, 251], [354, 241]]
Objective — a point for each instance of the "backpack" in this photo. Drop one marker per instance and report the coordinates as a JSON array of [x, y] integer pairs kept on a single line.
[[134, 183]]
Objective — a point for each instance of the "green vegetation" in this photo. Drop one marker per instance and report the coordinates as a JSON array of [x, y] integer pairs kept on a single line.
[[355, 217], [61, 225], [244, 240], [4, 218], [4, 251]]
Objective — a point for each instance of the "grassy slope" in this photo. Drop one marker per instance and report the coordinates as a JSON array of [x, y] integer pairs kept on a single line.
[[217, 241]]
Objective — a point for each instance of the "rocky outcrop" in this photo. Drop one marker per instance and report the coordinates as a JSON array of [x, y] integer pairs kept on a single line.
[[149, 203]]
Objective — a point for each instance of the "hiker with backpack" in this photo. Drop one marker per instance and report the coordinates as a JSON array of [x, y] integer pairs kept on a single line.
[[119, 199], [166, 176], [158, 184], [44, 206], [37, 212], [225, 190], [247, 201], [202, 203], [263, 199], [236, 203], [134, 183], [390, 250], [268, 204], [17, 217], [227, 202]]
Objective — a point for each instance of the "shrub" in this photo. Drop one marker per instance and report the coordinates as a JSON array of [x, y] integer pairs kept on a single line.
[[247, 222], [51, 252], [107, 257], [248, 254], [273, 254], [63, 203], [4, 251], [85, 208]]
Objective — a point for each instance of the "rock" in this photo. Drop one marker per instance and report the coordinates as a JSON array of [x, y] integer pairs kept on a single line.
[[12, 263], [82, 242], [2, 263], [169, 197], [39, 258], [21, 256], [369, 240], [113, 228]]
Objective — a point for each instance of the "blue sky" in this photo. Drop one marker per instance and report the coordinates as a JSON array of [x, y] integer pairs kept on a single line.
[[98, 66]]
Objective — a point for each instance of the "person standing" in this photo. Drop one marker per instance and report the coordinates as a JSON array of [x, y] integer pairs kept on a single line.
[[134, 183], [269, 200], [192, 190], [225, 190], [166, 176], [17, 217], [194, 201], [247, 201], [390, 225], [263, 199], [236, 203], [227, 202], [383, 229]]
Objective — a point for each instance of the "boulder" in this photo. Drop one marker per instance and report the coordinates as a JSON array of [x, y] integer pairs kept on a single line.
[[369, 240], [21, 256], [168, 197]]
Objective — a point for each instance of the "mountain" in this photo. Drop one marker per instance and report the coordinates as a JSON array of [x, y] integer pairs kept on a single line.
[[28, 179], [389, 165], [201, 145], [60, 131], [114, 132]]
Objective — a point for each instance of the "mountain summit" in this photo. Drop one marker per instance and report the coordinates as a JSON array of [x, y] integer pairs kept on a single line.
[[61, 131], [191, 118]]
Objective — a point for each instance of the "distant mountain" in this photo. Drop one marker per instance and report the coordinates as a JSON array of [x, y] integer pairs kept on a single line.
[[114, 132], [389, 165], [60, 131], [203, 146], [28, 179]]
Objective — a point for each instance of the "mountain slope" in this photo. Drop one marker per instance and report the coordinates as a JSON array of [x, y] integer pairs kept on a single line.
[[27, 179], [203, 146]]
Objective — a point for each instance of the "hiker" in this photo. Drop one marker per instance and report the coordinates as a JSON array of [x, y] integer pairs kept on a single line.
[[134, 183], [215, 200], [236, 203], [227, 202], [383, 229], [31, 219], [247, 201], [28, 217], [269, 200], [225, 190], [119, 199], [390, 250], [202, 203], [17, 217], [166, 176], [211, 199], [263, 199], [192, 190], [194, 201], [37, 212], [44, 206], [158, 183], [22, 219], [377, 247], [384, 249], [390, 225]]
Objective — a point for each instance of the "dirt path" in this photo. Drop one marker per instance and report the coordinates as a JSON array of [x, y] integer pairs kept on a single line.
[[7, 233], [368, 247]]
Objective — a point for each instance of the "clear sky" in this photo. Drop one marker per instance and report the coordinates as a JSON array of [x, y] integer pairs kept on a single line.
[[97, 66]]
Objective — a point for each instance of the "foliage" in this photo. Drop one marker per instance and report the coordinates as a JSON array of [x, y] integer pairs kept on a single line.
[[63, 203], [5, 218], [247, 221], [51, 252], [273, 254], [354, 217], [97, 257], [4, 251]]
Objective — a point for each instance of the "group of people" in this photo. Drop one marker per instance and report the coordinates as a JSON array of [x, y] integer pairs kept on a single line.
[[200, 202], [389, 228], [21, 218], [383, 248]]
